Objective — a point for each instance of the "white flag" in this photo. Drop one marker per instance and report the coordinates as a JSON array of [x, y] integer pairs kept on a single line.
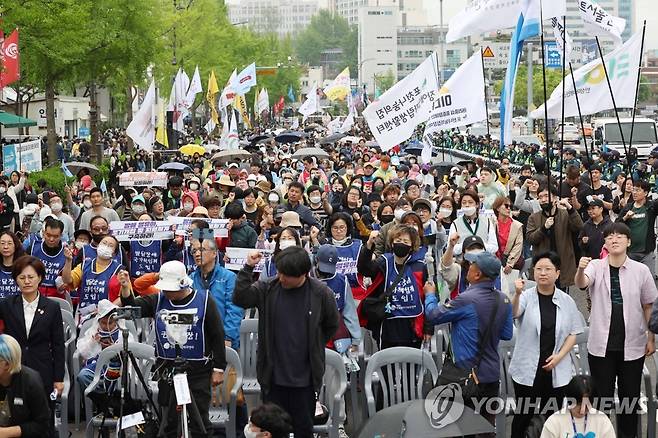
[[599, 22], [460, 100], [295, 124], [210, 126], [334, 125], [228, 94], [195, 88], [393, 118], [233, 139], [347, 123], [177, 99], [491, 15], [593, 92], [263, 101], [310, 105], [142, 127], [245, 80], [562, 37]]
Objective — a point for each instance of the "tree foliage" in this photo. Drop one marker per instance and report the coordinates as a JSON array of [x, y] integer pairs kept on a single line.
[[553, 78]]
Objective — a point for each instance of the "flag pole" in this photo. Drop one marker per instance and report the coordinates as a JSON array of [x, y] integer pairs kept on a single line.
[[614, 104], [486, 106], [564, 62], [582, 123], [637, 84], [543, 68]]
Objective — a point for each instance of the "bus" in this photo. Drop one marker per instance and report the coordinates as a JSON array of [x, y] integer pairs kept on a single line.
[[645, 134]]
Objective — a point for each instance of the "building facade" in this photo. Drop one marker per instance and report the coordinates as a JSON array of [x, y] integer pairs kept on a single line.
[[283, 17], [378, 44]]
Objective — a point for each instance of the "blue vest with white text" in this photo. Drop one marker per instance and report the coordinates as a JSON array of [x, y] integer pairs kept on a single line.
[[8, 286], [145, 258], [337, 285], [195, 346], [94, 285], [405, 299], [53, 264], [347, 258]]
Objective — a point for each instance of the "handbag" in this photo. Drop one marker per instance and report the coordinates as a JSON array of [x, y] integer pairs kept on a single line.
[[467, 379], [375, 307]]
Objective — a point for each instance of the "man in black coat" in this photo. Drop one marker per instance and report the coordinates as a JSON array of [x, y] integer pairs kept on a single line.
[[297, 317]]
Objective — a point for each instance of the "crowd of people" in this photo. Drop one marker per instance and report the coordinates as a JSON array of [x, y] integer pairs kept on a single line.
[[357, 242]]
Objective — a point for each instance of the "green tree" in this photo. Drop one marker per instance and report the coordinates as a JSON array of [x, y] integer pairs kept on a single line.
[[553, 78], [385, 81], [328, 31]]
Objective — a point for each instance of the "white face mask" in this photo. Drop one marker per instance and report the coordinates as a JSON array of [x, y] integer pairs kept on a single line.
[[349, 171], [469, 211], [248, 432], [194, 186], [273, 199], [398, 214], [105, 252], [56, 207], [188, 206], [445, 212], [315, 199], [283, 244], [251, 183], [87, 204], [79, 245], [139, 209]]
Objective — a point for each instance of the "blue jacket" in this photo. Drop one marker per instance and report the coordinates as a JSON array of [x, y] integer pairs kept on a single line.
[[469, 314], [220, 286]]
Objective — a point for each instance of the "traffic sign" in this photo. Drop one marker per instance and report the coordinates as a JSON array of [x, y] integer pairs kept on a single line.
[[553, 55], [496, 55], [488, 53]]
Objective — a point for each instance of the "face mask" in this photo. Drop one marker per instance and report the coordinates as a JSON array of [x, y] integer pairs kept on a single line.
[[349, 172], [283, 244], [412, 161], [251, 183], [87, 204], [386, 218], [105, 252], [469, 211], [273, 199], [139, 209], [398, 214], [248, 433], [194, 186], [401, 249], [445, 212], [188, 206], [315, 199], [546, 207], [356, 186], [424, 171], [56, 207], [79, 245]]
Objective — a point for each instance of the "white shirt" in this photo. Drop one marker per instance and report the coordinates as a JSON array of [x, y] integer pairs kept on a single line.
[[29, 309]]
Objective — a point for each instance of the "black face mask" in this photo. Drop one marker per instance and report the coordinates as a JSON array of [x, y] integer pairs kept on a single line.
[[546, 207], [97, 237], [401, 249], [386, 218]]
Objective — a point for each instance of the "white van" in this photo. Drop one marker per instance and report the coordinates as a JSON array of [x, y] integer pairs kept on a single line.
[[645, 134]]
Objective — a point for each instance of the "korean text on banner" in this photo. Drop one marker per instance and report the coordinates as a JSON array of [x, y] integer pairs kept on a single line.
[[460, 100], [143, 179], [592, 86], [599, 22], [23, 156], [218, 226], [394, 116], [141, 230], [237, 257]]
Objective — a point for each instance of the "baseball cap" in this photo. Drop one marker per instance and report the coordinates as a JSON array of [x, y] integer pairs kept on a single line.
[[138, 198], [173, 277], [471, 241], [422, 202], [486, 262], [594, 202], [327, 256]]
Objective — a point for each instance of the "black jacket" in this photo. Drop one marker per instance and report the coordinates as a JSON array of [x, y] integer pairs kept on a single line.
[[43, 350], [323, 322], [28, 404]]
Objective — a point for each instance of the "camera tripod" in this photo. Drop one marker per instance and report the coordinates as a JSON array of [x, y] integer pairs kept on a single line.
[[180, 367], [126, 356]]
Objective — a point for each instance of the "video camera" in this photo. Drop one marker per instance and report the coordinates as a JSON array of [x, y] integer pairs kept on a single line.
[[128, 313]]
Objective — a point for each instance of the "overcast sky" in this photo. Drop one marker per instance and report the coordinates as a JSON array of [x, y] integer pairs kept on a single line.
[[451, 7]]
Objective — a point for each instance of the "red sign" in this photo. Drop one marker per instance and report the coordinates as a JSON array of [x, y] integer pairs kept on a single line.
[[10, 58]]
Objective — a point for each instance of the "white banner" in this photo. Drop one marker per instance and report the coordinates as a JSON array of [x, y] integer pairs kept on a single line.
[[142, 127], [599, 22], [24, 157], [143, 179], [311, 104], [394, 116], [125, 231], [593, 92], [492, 15], [245, 80], [219, 226], [460, 100], [237, 257]]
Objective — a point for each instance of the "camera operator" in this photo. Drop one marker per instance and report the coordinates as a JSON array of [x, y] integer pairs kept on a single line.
[[204, 352]]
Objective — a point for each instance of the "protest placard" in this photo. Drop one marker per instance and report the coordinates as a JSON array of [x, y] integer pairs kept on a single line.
[[218, 226], [143, 179], [141, 230], [237, 257]]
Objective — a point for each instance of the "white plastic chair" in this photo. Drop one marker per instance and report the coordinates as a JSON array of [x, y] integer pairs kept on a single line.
[[224, 415], [401, 371], [334, 369], [248, 354], [579, 353]]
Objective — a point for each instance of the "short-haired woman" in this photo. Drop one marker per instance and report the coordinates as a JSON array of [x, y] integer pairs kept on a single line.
[[402, 275], [622, 292], [549, 321]]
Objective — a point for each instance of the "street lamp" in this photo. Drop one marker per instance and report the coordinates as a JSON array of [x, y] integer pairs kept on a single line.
[[361, 66]]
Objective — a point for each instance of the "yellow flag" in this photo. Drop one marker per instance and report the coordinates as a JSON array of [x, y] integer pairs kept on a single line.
[[213, 90], [161, 129], [340, 87], [240, 104]]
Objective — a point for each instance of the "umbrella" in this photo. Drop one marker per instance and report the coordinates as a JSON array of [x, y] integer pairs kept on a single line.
[[75, 166], [314, 127], [191, 149], [373, 144], [444, 167], [331, 138], [305, 152], [257, 138], [415, 149], [230, 155], [180, 167], [290, 137], [410, 419]]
